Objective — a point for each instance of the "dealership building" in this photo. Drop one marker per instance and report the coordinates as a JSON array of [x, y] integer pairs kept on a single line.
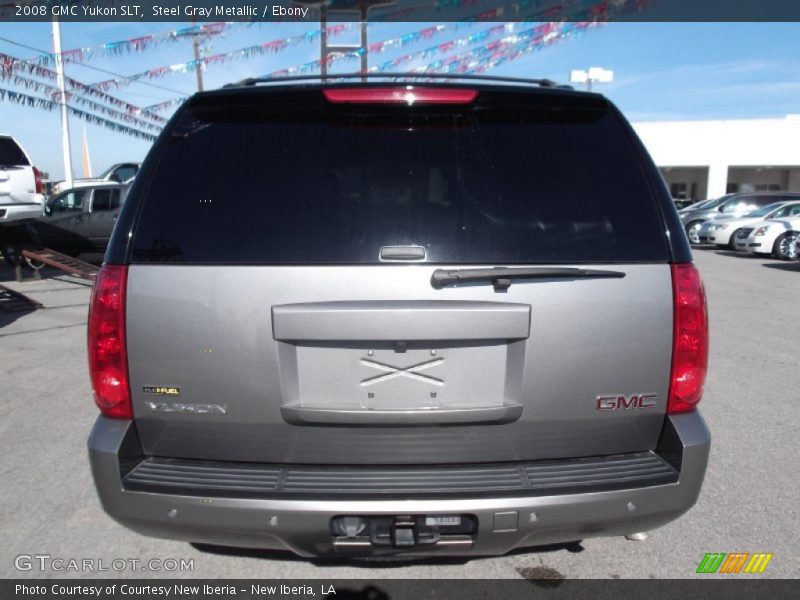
[[706, 159]]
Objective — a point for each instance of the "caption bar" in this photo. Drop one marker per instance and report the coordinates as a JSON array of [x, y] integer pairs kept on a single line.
[[394, 10]]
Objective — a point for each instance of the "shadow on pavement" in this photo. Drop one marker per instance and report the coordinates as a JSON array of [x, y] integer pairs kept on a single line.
[[6, 318], [734, 253], [783, 266]]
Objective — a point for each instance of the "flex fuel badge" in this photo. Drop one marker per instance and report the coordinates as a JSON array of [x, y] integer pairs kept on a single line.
[[161, 391]]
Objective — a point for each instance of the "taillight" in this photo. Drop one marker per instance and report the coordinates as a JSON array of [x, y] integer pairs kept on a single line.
[[37, 181], [108, 363], [407, 94], [690, 340]]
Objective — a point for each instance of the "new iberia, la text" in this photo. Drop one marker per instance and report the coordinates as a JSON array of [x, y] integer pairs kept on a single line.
[[178, 590]]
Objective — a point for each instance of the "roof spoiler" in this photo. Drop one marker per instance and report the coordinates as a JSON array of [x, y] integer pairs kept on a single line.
[[393, 77]]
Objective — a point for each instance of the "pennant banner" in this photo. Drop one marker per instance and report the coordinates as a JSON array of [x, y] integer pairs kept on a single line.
[[496, 53], [9, 65], [156, 108], [524, 48], [530, 10], [271, 47], [137, 44], [55, 95], [275, 46], [477, 37], [50, 105]]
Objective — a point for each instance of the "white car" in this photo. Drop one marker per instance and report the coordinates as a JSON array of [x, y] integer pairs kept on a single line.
[[776, 237], [21, 188], [723, 231]]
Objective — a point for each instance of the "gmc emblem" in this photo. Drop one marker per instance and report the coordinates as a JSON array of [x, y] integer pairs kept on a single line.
[[624, 402]]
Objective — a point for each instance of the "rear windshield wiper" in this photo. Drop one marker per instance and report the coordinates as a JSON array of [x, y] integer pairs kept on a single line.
[[501, 277]]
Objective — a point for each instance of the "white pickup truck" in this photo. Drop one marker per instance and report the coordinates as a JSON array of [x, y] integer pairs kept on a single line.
[[116, 173]]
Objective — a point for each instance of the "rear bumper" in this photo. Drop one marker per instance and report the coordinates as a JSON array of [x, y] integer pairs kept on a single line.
[[302, 525]]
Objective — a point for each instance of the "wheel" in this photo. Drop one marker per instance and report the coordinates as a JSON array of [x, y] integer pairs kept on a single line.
[[732, 241], [693, 231], [11, 257], [784, 247], [743, 247]]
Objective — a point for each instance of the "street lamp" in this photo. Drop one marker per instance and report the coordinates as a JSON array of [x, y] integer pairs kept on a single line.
[[592, 75]]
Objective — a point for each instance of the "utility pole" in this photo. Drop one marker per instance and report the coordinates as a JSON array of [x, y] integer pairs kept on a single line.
[[199, 69], [362, 7], [65, 143]]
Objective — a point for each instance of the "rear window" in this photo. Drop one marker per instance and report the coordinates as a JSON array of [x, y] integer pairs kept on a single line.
[[11, 154], [328, 185]]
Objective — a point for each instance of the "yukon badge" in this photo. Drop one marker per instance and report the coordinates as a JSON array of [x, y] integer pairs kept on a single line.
[[617, 402], [193, 409]]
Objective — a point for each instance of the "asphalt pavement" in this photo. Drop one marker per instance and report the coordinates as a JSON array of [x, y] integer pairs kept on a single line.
[[749, 502]]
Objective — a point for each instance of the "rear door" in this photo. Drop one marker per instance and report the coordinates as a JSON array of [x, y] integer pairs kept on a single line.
[[103, 214], [297, 298]]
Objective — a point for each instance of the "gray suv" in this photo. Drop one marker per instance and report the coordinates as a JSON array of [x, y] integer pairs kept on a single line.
[[448, 316]]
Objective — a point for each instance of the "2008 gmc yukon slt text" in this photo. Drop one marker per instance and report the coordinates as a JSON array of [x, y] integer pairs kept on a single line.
[[365, 318]]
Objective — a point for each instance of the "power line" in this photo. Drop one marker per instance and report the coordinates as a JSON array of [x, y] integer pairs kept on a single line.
[[98, 69]]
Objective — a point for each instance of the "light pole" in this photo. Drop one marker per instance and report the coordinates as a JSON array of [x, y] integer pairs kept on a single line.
[[591, 75], [65, 142]]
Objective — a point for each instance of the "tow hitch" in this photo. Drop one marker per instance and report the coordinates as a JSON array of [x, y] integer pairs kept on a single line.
[[402, 532]]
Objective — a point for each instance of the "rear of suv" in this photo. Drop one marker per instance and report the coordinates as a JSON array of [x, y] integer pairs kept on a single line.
[[370, 318], [21, 187]]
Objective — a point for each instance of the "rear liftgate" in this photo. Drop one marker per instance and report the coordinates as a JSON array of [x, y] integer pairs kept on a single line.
[[401, 363]]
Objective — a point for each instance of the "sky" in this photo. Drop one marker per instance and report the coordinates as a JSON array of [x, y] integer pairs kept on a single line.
[[662, 71]]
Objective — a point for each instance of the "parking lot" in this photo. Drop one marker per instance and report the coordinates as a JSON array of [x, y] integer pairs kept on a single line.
[[748, 503]]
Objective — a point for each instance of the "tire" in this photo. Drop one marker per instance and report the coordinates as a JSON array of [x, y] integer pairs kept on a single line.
[[784, 247], [732, 241], [693, 232], [11, 256]]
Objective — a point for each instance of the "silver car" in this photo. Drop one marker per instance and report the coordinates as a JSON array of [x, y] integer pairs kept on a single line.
[[729, 206], [723, 231], [439, 317]]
